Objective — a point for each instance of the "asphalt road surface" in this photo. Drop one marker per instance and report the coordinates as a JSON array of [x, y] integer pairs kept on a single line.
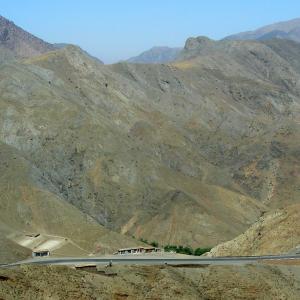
[[154, 260]]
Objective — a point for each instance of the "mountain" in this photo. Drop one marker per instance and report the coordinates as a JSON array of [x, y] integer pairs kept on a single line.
[[19, 42], [156, 55], [197, 152], [30, 205], [63, 45], [284, 30], [127, 173], [189, 153]]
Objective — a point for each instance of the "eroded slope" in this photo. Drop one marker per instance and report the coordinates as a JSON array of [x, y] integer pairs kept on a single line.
[[277, 232], [193, 152]]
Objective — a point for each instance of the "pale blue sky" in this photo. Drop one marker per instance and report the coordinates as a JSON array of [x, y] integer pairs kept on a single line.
[[114, 30]]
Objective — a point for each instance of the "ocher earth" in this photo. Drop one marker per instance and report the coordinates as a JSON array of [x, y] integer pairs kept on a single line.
[[192, 152], [275, 233], [132, 282], [189, 153], [195, 152]]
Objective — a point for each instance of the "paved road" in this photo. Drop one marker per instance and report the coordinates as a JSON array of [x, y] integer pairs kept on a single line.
[[154, 260]]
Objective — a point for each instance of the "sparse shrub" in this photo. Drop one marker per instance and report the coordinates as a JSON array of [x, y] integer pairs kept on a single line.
[[144, 241], [201, 251], [186, 250], [154, 244], [170, 248]]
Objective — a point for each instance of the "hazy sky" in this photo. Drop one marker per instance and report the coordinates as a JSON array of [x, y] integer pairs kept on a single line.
[[114, 30]]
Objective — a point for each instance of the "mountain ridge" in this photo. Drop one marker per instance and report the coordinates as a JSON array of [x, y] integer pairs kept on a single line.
[[155, 55], [20, 42], [285, 29], [191, 152], [144, 167]]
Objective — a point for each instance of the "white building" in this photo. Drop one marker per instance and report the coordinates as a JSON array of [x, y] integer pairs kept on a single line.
[[40, 253], [138, 250]]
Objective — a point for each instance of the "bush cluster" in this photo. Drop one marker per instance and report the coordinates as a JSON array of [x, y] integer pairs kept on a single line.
[[201, 251], [186, 250], [179, 249], [154, 244]]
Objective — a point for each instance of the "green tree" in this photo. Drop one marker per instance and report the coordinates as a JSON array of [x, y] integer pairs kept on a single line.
[[154, 244], [201, 251], [144, 241], [188, 250]]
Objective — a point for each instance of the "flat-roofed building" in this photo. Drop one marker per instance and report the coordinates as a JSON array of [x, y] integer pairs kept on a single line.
[[40, 253], [139, 250]]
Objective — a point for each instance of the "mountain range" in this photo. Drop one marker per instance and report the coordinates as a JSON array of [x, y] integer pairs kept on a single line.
[[156, 55], [192, 152], [199, 150], [283, 30]]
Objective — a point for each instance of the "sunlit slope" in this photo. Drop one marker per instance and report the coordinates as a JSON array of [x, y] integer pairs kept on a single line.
[[277, 232], [192, 152], [11, 252], [28, 207]]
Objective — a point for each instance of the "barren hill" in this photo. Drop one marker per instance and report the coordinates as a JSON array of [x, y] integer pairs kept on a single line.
[[152, 282], [189, 153], [275, 233], [31, 204], [11, 252]]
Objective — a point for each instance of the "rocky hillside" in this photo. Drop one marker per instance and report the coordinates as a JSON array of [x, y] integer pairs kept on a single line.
[[27, 206], [141, 282], [156, 55], [283, 30], [275, 233], [19, 42], [11, 252], [191, 152], [131, 190]]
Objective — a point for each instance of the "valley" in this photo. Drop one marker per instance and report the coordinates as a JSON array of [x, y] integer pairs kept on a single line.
[[187, 153], [196, 147]]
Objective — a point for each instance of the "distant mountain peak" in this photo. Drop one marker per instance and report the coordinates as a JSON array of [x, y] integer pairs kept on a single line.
[[157, 54], [20, 42], [286, 30]]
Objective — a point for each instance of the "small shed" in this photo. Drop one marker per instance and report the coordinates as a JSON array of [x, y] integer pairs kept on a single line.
[[40, 253]]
